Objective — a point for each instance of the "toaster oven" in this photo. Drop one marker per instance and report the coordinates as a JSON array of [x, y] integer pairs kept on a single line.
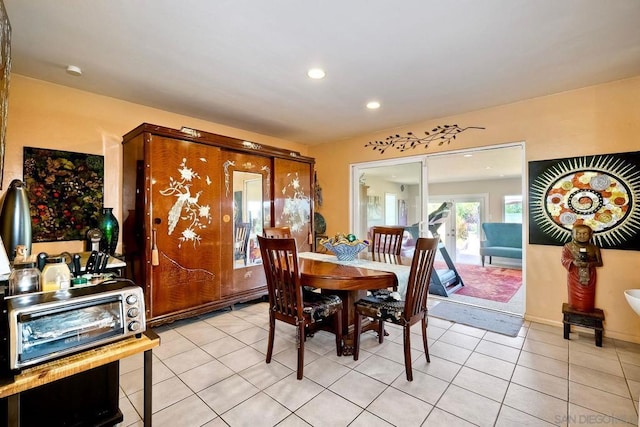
[[43, 326]]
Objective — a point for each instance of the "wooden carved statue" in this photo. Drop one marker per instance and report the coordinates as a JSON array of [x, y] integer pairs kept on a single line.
[[581, 257]]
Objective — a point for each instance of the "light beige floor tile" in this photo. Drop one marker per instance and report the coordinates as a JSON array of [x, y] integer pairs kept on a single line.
[[200, 333], [205, 375], [176, 346], [458, 339], [187, 360], [293, 393], [289, 357], [587, 344], [424, 387], [251, 335], [358, 388], [599, 401], [555, 337], [129, 413], [628, 357], [438, 367], [258, 410], [227, 393], [580, 417], [478, 382], [544, 364], [166, 333], [547, 350], [348, 360], [539, 405], [399, 408], [392, 351], [328, 409], [592, 361], [191, 411], [165, 393], [515, 342], [434, 332], [631, 372], [439, 323], [440, 418], [229, 323], [293, 421], [469, 406], [324, 371], [600, 380], [449, 352], [262, 375], [539, 381], [322, 343], [217, 422], [510, 417], [133, 381], [634, 388], [490, 365], [134, 362], [382, 369], [555, 330], [223, 346], [241, 359], [367, 419], [468, 330], [499, 351]]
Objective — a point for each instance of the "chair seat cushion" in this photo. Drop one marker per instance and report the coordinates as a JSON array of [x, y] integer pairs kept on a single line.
[[387, 309], [319, 306]]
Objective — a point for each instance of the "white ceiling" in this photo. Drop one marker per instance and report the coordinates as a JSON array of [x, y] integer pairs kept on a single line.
[[243, 63]]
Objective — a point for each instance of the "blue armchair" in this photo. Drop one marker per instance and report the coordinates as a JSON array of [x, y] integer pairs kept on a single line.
[[502, 240]]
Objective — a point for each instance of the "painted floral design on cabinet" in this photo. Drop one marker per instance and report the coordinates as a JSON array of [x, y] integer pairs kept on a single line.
[[188, 213], [297, 204]]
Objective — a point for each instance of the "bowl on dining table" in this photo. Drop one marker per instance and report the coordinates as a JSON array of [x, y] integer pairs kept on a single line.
[[345, 248]]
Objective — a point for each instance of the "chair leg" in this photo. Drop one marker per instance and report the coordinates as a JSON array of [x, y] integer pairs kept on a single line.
[[272, 332], [380, 331], [357, 329], [301, 328], [424, 337], [407, 352], [337, 320]]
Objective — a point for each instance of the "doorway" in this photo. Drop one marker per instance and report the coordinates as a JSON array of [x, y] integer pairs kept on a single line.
[[478, 185]]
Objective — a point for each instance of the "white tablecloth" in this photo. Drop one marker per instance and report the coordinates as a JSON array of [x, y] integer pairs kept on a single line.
[[401, 271]]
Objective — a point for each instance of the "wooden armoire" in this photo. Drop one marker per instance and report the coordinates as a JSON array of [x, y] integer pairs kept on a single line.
[[186, 193]]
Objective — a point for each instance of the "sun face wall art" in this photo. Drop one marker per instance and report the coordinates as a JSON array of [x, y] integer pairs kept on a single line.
[[601, 191]]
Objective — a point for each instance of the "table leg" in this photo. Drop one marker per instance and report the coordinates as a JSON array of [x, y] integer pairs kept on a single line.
[[148, 385], [13, 410]]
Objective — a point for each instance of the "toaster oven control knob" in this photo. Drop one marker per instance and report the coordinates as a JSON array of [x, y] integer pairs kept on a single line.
[[134, 326], [133, 312], [132, 299]]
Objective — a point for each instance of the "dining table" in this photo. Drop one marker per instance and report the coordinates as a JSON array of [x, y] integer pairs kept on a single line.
[[351, 280]]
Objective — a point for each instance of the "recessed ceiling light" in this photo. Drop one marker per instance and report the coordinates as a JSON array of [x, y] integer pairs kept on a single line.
[[468, 155], [316, 73], [74, 70], [373, 105]]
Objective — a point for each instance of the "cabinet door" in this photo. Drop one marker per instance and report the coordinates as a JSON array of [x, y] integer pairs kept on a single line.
[[245, 204], [184, 220], [292, 196]]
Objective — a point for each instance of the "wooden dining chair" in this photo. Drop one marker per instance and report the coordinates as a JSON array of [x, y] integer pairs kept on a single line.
[[277, 232], [407, 312], [386, 240], [288, 302]]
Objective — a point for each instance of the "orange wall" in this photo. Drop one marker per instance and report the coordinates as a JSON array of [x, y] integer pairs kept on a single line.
[[51, 116], [594, 120]]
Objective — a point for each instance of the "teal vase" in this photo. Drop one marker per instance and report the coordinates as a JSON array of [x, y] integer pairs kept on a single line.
[[110, 229]]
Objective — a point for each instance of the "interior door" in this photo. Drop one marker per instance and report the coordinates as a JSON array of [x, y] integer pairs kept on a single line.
[[461, 230], [184, 224]]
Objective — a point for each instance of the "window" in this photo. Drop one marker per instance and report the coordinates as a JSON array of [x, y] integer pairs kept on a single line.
[[513, 208]]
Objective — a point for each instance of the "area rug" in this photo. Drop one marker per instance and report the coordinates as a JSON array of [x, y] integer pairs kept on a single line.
[[490, 320], [490, 283]]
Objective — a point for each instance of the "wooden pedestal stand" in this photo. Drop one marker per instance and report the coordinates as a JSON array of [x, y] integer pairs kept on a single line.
[[592, 320]]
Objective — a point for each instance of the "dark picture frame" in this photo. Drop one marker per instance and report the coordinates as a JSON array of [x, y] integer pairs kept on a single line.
[[65, 191], [601, 191], [5, 73]]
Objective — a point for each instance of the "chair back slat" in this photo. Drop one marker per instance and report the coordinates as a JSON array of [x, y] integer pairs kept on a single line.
[[277, 232], [420, 276], [387, 240], [280, 261], [242, 231]]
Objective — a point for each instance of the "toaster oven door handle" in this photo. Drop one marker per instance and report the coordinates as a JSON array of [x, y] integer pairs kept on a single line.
[[25, 317]]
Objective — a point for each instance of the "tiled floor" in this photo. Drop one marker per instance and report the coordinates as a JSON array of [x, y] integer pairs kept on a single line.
[[210, 371]]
